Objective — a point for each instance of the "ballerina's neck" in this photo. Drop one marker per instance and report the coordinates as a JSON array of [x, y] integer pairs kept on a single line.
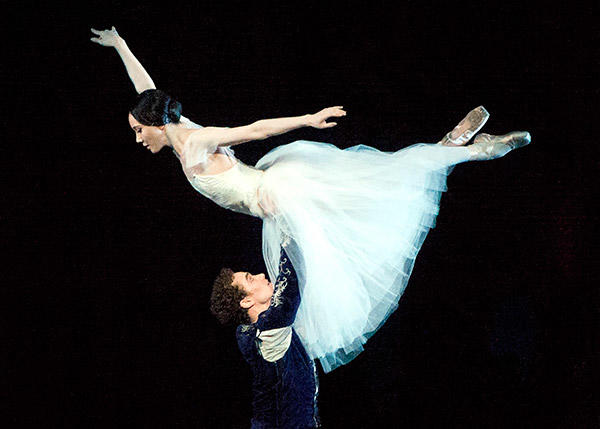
[[178, 136]]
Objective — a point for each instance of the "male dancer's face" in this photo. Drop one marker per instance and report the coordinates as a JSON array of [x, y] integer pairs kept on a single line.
[[258, 289]]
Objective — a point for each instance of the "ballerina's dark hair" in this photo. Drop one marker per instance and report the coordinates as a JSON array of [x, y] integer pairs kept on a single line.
[[155, 107]]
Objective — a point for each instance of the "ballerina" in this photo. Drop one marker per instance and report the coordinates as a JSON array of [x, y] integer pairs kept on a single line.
[[356, 217]]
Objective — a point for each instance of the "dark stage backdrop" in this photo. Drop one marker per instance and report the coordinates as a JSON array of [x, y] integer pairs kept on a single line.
[[111, 254]]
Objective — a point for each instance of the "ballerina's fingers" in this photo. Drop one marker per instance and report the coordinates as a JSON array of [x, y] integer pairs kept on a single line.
[[340, 113], [333, 112], [324, 124], [97, 33], [112, 30], [105, 37]]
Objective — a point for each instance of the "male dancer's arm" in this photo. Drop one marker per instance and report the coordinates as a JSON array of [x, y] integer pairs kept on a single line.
[[274, 326], [286, 297]]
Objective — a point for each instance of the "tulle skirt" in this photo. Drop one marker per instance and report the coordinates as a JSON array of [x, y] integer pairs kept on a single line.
[[355, 220]]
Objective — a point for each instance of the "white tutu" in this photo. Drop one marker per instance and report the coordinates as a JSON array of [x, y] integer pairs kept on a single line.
[[357, 219]]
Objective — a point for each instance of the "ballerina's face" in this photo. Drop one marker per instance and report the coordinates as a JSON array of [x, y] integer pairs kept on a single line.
[[258, 289], [151, 137]]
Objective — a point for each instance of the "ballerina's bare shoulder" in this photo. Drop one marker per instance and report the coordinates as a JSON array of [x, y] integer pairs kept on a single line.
[[218, 159]]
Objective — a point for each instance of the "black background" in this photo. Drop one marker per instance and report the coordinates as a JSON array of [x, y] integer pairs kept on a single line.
[[110, 254]]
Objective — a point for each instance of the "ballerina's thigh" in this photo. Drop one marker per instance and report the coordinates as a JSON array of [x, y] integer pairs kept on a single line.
[[357, 219]]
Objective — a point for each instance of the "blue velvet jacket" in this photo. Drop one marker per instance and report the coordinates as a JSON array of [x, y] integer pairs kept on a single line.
[[285, 382]]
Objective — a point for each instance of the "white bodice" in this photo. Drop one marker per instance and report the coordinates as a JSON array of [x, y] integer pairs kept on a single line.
[[234, 189]]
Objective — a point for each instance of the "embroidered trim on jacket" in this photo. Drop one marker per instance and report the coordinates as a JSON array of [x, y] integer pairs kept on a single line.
[[281, 283]]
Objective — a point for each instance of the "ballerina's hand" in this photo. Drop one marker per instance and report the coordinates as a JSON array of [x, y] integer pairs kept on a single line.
[[319, 119], [106, 37]]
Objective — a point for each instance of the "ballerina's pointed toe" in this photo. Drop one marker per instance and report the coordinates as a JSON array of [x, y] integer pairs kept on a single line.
[[466, 128], [487, 146]]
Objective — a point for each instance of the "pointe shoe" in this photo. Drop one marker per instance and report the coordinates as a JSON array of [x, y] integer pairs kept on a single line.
[[466, 128], [486, 146]]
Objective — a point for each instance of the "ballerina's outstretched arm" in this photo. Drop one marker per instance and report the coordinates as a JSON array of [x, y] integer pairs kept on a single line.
[[138, 75], [260, 130]]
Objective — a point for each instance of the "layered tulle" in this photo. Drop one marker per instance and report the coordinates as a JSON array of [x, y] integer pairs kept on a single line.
[[357, 219]]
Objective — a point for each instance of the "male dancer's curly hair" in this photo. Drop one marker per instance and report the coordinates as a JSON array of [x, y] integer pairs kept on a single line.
[[225, 300]]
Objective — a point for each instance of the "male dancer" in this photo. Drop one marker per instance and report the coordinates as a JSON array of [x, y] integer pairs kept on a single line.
[[285, 382]]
